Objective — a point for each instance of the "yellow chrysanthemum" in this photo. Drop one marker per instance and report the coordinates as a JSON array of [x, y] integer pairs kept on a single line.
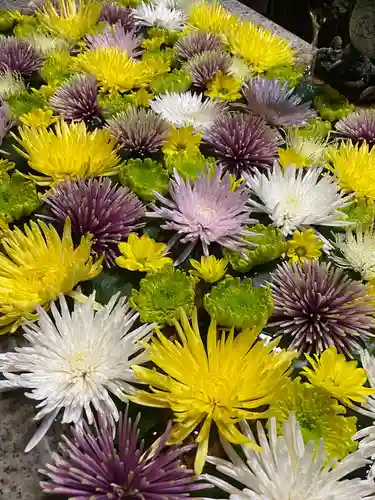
[[114, 69], [224, 87], [69, 19], [211, 17], [142, 254], [233, 379], [260, 47], [38, 118], [209, 269], [354, 166], [69, 152], [182, 140], [304, 246], [37, 266], [339, 377]]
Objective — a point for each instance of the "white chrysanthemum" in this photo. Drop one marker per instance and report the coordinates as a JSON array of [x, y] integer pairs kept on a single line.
[[10, 84], [289, 469], [294, 198], [187, 109], [76, 361], [357, 252], [46, 44], [161, 13], [312, 148]]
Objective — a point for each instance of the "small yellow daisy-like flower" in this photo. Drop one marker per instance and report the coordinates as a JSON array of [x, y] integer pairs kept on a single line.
[[142, 254], [209, 269], [211, 17], [337, 376], [38, 118], [224, 87], [36, 266], [68, 152], [182, 140], [304, 246]]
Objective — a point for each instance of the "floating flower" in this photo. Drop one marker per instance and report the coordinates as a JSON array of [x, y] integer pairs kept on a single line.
[[182, 140], [238, 304], [18, 56], [36, 267], [341, 378], [77, 100], [187, 109], [302, 151], [211, 17], [76, 361], [331, 105], [288, 468], [139, 131], [204, 66], [358, 126], [240, 69], [294, 199], [118, 464], [243, 141], [38, 118], [57, 68], [114, 14], [317, 305], [224, 87], [179, 80], [18, 196], [209, 269], [159, 14], [207, 211], [361, 213], [142, 253], [162, 293], [189, 166], [304, 246], [97, 207], [11, 83], [233, 379], [115, 36], [69, 151], [196, 43], [145, 177], [45, 44]]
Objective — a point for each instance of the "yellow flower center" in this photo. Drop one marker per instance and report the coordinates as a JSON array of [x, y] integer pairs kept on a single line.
[[301, 251]]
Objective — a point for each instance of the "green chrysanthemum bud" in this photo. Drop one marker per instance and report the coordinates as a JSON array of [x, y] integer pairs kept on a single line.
[[188, 165], [143, 177], [162, 294], [236, 303], [177, 81], [18, 197]]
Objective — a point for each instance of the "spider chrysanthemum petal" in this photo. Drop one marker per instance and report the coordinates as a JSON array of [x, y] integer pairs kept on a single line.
[[18, 56], [206, 65], [358, 126], [196, 43], [113, 14]]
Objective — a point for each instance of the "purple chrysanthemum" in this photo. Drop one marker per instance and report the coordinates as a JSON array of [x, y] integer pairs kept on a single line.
[[358, 126], [96, 206], [196, 43], [18, 55], [4, 120], [242, 141], [91, 464], [318, 306], [204, 66], [77, 100], [116, 36], [208, 211], [113, 14], [139, 131], [276, 103]]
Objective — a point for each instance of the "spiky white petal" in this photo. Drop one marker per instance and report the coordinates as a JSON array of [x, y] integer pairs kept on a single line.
[[295, 199], [76, 361], [10, 83], [161, 13]]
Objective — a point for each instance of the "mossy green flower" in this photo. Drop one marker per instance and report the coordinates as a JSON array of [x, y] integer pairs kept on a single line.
[[270, 246], [316, 128], [361, 212], [209, 269], [18, 197], [291, 74], [145, 176], [332, 105], [162, 294], [142, 253], [238, 304], [188, 165], [179, 80], [224, 87], [57, 67], [113, 103]]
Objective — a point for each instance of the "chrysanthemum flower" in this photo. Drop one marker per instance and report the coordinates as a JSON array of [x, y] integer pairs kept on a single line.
[[317, 305], [207, 211], [18, 56], [195, 43], [224, 87], [229, 381], [36, 267], [45, 44], [68, 152], [304, 246], [188, 109], [276, 103], [211, 17], [115, 463], [358, 126], [139, 131], [116, 36], [354, 167], [113, 14], [182, 140], [38, 117], [302, 151], [341, 378], [142, 253], [243, 141], [294, 199], [159, 14], [75, 361], [204, 66], [97, 207], [11, 83], [209, 269], [290, 469], [18, 196], [145, 177]]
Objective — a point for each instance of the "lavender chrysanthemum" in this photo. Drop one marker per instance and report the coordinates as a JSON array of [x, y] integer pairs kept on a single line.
[[196, 43], [358, 126], [98, 207], [139, 131], [77, 100], [208, 211], [318, 306], [113, 14], [204, 66], [242, 141], [18, 56], [4, 121], [116, 36], [276, 103], [103, 462]]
